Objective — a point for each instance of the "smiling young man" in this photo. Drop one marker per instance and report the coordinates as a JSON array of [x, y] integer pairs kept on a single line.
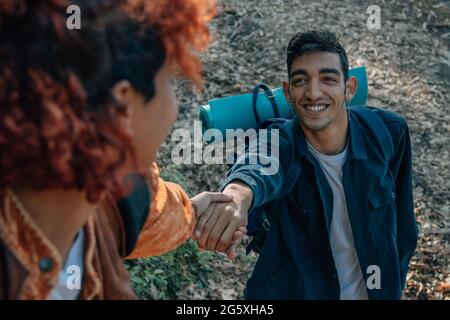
[[340, 208]]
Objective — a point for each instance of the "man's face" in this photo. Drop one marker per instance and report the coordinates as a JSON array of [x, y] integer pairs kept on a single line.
[[317, 90], [149, 121], [152, 120]]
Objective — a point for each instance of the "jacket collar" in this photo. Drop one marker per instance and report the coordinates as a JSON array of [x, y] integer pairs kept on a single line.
[[30, 246], [37, 255], [357, 148]]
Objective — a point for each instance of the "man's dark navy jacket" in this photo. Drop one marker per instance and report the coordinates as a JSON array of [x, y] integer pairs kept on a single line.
[[296, 260]]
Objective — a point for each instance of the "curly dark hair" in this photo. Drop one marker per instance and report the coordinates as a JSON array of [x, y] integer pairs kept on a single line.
[[59, 124]]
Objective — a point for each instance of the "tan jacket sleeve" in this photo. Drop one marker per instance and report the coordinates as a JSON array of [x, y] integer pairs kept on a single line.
[[171, 220]]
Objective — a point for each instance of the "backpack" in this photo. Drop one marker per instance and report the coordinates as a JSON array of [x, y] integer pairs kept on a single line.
[[259, 218]]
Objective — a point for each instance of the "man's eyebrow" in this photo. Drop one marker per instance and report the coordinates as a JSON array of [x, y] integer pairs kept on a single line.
[[323, 70], [299, 72], [330, 70]]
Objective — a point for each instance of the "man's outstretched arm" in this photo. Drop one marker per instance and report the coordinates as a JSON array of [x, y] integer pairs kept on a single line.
[[251, 186]]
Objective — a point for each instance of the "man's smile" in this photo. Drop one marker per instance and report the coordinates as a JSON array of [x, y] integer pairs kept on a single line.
[[315, 108]]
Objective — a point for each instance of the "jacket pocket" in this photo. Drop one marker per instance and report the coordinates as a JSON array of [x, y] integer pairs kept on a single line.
[[382, 196]]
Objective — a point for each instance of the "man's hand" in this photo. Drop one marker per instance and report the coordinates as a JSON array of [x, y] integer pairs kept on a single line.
[[237, 239], [203, 200], [217, 226]]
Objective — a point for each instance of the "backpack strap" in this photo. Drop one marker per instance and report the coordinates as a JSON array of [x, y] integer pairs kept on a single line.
[[379, 129], [271, 98], [262, 124]]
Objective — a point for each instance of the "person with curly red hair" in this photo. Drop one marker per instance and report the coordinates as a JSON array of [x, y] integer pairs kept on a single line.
[[82, 115]]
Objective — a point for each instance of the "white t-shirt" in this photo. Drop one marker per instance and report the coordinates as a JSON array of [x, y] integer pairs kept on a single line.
[[70, 278], [343, 249]]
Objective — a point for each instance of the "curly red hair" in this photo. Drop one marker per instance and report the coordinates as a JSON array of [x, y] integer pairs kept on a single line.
[[59, 126], [183, 27]]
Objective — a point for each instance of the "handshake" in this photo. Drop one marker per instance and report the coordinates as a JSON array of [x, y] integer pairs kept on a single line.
[[222, 218]]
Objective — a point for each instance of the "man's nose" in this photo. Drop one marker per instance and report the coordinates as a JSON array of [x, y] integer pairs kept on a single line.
[[313, 91]]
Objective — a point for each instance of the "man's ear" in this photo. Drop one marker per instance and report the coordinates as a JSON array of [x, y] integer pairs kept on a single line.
[[123, 92], [287, 95], [350, 88]]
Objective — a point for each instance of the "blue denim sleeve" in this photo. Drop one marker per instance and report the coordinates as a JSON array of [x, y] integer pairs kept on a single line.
[[263, 169], [407, 229]]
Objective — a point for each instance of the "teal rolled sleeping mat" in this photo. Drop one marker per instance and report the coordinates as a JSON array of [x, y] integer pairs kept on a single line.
[[246, 111]]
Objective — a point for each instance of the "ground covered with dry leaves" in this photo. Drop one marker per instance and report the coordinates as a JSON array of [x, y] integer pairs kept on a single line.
[[408, 63]]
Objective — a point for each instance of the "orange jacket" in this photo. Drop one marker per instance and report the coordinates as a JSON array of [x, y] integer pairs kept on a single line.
[[30, 264]]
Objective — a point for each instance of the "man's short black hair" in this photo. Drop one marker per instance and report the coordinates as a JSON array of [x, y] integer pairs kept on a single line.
[[315, 41]]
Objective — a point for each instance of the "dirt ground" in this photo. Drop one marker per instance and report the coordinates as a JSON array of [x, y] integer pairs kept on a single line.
[[408, 63]]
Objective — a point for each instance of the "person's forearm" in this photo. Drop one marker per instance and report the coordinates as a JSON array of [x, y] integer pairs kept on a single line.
[[265, 182]]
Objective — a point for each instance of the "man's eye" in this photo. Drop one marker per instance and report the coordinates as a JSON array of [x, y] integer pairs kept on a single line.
[[298, 82], [329, 79]]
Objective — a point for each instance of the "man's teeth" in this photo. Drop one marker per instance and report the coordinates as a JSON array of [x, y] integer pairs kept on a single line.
[[316, 108]]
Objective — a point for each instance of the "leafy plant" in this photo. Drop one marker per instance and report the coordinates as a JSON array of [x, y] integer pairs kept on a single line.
[[163, 277]]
